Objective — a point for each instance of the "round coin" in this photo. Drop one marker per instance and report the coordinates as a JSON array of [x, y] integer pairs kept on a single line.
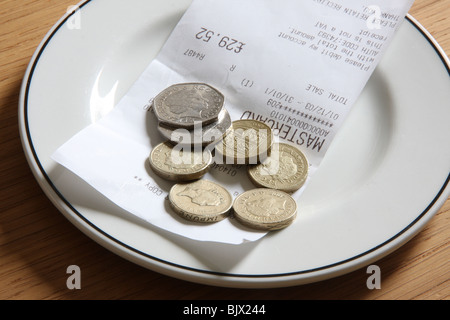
[[247, 142], [286, 169], [183, 105], [176, 163], [201, 135], [202, 201], [265, 209]]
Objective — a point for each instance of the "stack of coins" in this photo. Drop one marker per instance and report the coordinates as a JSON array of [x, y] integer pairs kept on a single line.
[[193, 114]]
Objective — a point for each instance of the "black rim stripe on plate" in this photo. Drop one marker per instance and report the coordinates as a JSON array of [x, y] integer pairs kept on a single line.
[[67, 203]]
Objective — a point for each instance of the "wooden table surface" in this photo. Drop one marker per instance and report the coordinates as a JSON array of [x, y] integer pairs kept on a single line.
[[37, 243]]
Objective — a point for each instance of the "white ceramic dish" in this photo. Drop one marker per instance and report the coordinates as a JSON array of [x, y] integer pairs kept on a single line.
[[383, 179]]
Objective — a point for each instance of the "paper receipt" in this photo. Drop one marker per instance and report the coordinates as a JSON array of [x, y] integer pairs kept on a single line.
[[297, 66]]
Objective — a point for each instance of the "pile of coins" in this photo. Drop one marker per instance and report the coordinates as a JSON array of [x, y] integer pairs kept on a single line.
[[193, 114]]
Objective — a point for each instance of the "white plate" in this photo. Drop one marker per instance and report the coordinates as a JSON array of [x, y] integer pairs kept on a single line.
[[383, 179]]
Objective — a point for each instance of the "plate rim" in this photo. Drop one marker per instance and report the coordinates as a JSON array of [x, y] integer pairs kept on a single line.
[[173, 269]]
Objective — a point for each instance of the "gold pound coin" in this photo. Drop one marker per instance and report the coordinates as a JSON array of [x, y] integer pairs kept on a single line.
[[247, 142], [202, 201], [177, 163], [265, 209], [286, 169]]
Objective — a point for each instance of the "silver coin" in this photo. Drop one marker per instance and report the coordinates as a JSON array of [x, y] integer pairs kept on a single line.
[[186, 104], [201, 135]]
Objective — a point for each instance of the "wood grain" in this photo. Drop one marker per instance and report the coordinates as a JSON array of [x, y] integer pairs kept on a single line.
[[37, 243]]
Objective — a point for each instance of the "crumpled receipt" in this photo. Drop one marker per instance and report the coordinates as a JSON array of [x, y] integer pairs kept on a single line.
[[298, 66]]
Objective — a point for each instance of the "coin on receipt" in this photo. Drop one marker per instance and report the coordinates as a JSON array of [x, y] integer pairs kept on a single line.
[[176, 163], [247, 142], [286, 169], [265, 209], [186, 104], [201, 135], [201, 201]]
